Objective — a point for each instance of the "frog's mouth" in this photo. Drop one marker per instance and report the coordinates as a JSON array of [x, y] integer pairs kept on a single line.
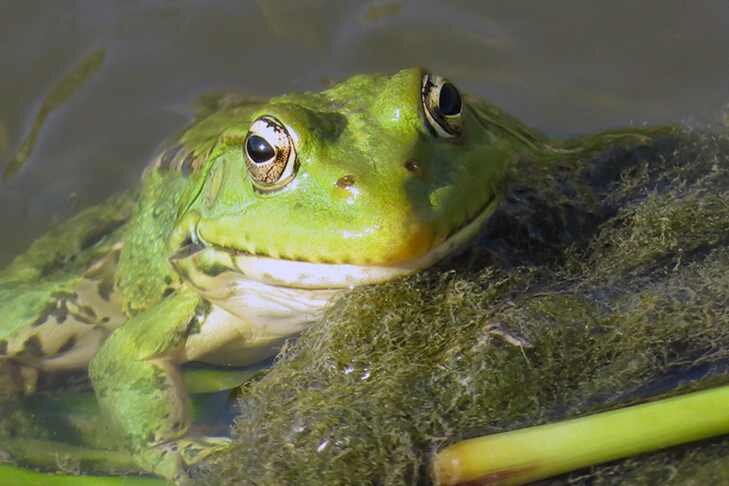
[[203, 264]]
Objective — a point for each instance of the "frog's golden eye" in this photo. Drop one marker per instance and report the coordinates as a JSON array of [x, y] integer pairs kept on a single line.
[[442, 105], [270, 154]]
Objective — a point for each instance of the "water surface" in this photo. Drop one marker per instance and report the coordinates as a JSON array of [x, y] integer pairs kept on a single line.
[[564, 66]]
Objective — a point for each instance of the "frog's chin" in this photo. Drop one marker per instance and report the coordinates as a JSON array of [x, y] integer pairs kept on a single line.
[[204, 266]]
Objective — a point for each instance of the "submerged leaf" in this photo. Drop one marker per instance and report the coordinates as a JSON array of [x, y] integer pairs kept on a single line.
[[57, 96]]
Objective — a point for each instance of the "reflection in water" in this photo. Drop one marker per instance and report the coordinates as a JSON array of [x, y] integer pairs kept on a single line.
[[564, 67]]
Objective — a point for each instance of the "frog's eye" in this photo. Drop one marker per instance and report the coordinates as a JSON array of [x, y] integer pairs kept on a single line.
[[442, 106], [270, 154]]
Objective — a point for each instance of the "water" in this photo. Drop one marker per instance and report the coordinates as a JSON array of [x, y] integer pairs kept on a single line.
[[564, 67]]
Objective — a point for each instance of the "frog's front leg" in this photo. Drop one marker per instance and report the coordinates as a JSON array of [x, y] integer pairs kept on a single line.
[[138, 384]]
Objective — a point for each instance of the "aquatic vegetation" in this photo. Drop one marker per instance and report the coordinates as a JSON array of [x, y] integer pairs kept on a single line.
[[541, 451], [60, 92], [613, 267]]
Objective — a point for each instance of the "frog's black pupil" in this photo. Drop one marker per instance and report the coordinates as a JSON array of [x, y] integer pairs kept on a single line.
[[258, 149], [449, 100]]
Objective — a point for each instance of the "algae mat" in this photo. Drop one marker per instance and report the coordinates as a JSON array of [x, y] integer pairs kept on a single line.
[[613, 268]]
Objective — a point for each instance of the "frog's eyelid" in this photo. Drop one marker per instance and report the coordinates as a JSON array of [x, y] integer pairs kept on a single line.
[[440, 124], [277, 171]]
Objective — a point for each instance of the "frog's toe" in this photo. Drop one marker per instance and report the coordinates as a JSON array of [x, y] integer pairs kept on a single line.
[[195, 450], [173, 460], [164, 460], [16, 380]]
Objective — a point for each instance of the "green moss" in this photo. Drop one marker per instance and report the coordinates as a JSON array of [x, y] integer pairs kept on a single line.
[[663, 226], [614, 267]]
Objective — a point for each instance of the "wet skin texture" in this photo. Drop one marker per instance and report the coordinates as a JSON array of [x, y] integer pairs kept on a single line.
[[239, 236]]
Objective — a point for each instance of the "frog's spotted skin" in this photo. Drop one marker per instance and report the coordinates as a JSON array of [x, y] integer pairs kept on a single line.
[[178, 159], [241, 235], [70, 328], [58, 299]]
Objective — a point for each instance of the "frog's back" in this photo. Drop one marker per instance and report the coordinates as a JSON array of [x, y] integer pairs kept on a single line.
[[58, 297], [83, 278]]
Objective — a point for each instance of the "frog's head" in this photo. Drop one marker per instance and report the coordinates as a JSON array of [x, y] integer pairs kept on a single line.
[[376, 177]]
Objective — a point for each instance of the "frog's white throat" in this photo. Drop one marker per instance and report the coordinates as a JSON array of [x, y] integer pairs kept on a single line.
[[283, 296]]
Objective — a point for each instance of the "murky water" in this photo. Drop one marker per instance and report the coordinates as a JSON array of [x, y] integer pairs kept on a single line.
[[564, 66]]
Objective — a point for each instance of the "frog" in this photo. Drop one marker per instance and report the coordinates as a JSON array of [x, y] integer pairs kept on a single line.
[[241, 234]]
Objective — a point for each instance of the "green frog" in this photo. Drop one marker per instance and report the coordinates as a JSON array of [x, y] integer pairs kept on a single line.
[[239, 237]]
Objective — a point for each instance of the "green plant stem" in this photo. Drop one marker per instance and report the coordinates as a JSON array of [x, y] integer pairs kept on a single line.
[[211, 380], [538, 452], [50, 454], [15, 476]]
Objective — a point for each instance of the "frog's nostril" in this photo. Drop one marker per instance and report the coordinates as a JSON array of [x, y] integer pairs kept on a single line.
[[345, 181], [414, 167]]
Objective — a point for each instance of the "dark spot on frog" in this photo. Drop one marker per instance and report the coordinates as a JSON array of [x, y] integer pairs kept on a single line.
[[215, 269], [105, 289], [180, 160], [188, 164], [167, 292], [97, 235], [412, 166], [187, 247], [43, 317], [3, 347], [159, 379], [64, 295], [345, 181], [201, 312], [184, 274], [203, 307], [168, 156], [85, 314], [32, 346], [70, 343], [54, 264], [56, 308], [104, 330], [168, 279], [194, 326]]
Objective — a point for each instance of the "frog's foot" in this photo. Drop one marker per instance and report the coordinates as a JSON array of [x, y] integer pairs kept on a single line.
[[17, 380], [499, 330], [172, 460], [195, 450]]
